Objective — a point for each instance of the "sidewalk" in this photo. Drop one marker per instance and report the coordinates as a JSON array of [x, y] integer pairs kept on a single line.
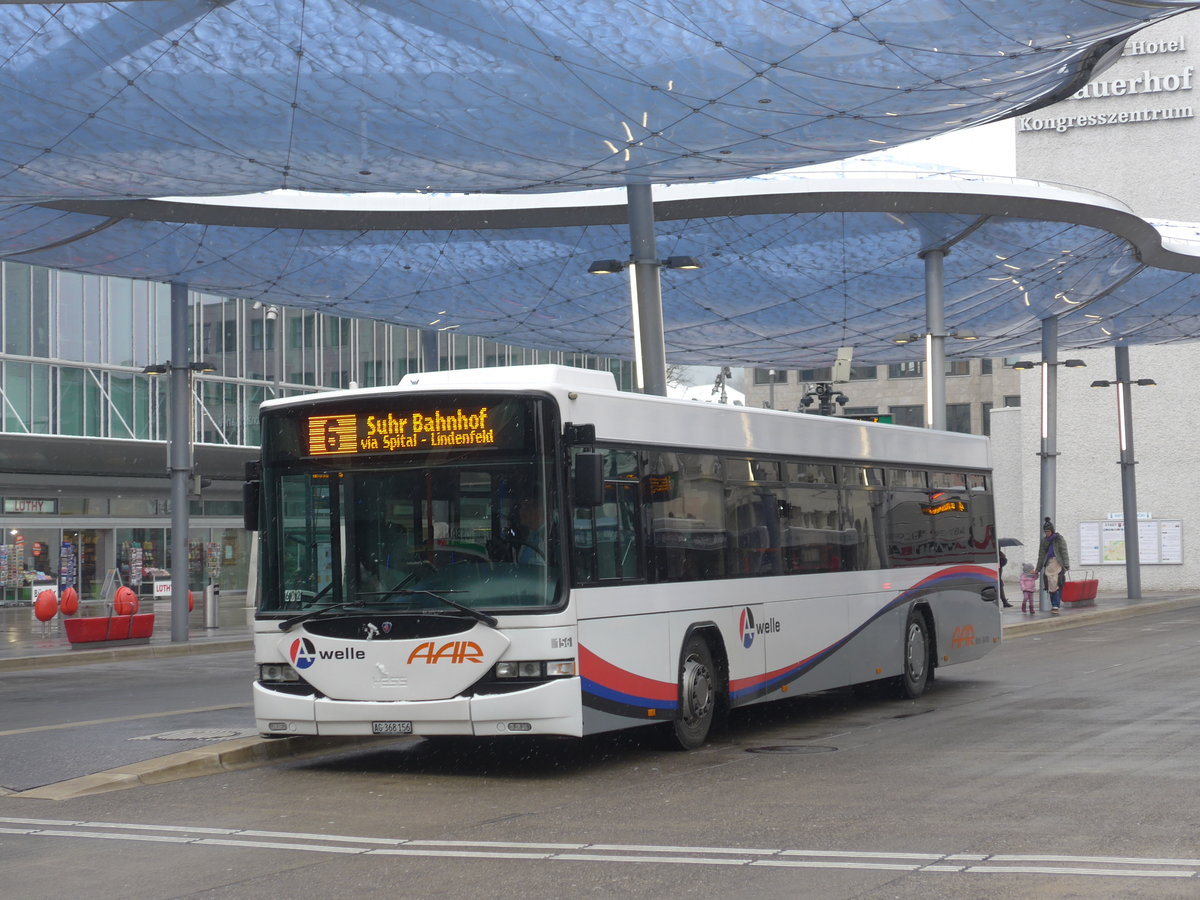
[[26, 643], [1106, 607]]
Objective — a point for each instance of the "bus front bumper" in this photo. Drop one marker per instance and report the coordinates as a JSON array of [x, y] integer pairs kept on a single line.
[[552, 708]]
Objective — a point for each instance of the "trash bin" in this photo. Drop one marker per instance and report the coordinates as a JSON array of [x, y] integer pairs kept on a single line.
[[210, 605]]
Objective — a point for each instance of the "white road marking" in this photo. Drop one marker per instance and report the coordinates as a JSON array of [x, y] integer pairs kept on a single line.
[[858, 860], [133, 718]]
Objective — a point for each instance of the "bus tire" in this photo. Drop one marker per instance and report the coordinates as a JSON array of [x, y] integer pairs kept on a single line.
[[698, 687], [916, 662]]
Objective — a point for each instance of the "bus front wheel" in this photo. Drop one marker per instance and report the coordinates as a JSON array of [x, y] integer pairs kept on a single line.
[[916, 663], [697, 694]]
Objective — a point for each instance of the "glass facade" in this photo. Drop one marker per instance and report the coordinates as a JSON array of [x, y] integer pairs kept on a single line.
[[72, 352], [75, 346]]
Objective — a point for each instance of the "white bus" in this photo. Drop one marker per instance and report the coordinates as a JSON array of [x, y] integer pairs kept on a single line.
[[530, 551]]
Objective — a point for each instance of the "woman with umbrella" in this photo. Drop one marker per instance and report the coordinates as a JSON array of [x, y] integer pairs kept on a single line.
[[1005, 542]]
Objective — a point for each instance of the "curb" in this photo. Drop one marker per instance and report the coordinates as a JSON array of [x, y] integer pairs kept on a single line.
[[115, 654], [1095, 616], [227, 756]]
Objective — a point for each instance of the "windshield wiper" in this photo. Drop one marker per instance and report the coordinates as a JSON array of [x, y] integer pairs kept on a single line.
[[287, 624], [399, 591]]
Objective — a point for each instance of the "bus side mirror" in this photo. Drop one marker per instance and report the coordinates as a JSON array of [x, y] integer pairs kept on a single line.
[[588, 489], [250, 493]]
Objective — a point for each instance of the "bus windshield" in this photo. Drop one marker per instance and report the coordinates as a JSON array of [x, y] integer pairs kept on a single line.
[[419, 531]]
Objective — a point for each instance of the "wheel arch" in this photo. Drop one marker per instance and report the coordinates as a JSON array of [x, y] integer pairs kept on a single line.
[[926, 611]]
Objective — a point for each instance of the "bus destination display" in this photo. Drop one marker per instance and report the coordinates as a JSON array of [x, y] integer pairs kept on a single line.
[[385, 432]]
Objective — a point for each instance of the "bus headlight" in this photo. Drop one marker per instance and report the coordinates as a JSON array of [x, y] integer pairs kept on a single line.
[[557, 668], [277, 672]]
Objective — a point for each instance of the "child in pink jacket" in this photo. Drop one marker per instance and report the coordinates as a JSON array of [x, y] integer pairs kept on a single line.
[[1028, 586]]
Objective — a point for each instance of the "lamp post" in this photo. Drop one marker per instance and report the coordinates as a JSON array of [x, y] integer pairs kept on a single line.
[[1049, 429], [1123, 383], [770, 388], [648, 339], [935, 367], [179, 454]]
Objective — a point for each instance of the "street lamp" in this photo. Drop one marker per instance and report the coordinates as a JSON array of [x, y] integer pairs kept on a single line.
[[935, 365], [1048, 475], [911, 337], [645, 290], [180, 453], [165, 368], [611, 266], [1133, 574]]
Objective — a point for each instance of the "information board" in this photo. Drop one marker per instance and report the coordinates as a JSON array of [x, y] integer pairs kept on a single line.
[[1160, 542]]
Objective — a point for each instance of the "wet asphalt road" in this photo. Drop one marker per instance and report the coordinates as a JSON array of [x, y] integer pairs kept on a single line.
[[1066, 764]]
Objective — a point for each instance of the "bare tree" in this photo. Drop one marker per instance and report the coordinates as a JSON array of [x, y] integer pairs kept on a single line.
[[677, 376]]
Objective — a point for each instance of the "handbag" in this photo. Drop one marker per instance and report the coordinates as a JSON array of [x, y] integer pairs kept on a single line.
[[1054, 575]]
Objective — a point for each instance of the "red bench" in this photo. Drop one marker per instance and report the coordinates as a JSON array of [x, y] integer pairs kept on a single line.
[[92, 629]]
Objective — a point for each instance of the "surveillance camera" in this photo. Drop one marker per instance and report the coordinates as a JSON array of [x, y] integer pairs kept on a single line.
[[272, 313]]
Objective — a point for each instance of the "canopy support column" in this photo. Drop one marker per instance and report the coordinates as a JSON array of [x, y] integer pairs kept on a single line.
[[935, 339], [645, 291]]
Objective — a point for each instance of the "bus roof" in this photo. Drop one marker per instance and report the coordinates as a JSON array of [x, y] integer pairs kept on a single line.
[[589, 396]]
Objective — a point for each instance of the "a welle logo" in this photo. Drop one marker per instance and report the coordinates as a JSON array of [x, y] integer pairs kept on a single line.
[[303, 654], [749, 628]]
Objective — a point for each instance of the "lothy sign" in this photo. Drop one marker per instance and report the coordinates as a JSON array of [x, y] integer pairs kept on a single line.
[[30, 505]]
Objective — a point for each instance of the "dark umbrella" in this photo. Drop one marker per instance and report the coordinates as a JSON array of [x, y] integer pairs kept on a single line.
[[1010, 542]]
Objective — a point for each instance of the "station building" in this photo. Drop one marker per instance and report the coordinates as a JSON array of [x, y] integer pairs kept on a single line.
[[1127, 135]]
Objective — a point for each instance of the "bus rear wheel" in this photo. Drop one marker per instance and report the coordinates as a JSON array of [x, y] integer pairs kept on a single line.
[[698, 686], [916, 662]]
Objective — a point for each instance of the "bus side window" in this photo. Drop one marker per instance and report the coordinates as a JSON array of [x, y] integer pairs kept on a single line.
[[752, 510], [687, 503], [863, 517]]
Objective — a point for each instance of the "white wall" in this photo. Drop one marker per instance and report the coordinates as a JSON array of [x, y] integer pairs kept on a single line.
[[1166, 421], [1114, 139], [1008, 487]]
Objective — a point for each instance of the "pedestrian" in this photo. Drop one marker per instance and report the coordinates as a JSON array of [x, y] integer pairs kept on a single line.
[[1053, 563], [1028, 586], [1003, 596]]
